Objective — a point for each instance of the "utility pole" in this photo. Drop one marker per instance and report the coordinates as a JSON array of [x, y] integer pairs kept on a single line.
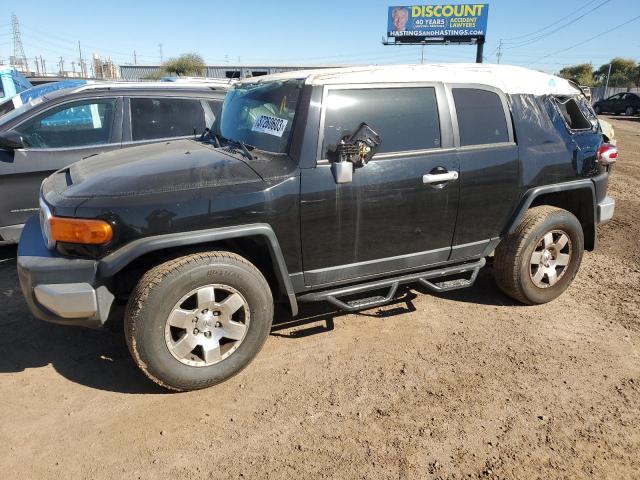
[[44, 65], [160, 51], [135, 58], [73, 68], [61, 65], [81, 62], [480, 50], [18, 49], [499, 55], [606, 86], [422, 55]]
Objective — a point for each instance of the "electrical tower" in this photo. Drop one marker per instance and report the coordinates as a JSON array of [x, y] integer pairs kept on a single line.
[[19, 58]]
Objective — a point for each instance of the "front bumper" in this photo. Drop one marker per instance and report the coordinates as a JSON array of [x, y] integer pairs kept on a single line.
[[58, 289], [605, 209]]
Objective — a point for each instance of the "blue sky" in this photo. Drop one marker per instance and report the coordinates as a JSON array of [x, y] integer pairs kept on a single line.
[[306, 32]]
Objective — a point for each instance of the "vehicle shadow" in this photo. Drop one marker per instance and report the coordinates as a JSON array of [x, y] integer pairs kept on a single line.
[[627, 119], [100, 358], [97, 359], [318, 318]]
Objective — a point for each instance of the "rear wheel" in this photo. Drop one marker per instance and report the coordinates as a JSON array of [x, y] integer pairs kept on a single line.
[[197, 320], [629, 111], [540, 259], [597, 109]]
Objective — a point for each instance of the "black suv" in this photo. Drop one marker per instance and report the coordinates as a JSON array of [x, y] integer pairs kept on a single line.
[[320, 186], [66, 125]]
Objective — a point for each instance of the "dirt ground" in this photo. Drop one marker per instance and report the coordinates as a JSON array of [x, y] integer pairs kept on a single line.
[[463, 385]]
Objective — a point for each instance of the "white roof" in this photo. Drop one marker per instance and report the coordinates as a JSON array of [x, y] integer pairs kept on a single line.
[[508, 78]]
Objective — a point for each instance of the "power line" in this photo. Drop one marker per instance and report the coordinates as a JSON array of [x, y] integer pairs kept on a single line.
[[525, 43], [507, 40], [610, 30]]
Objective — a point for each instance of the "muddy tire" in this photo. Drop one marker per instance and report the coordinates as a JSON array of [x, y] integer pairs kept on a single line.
[[540, 259], [197, 320]]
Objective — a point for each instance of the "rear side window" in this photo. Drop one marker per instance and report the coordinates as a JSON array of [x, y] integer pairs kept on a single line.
[[153, 118], [572, 114], [405, 118], [481, 118]]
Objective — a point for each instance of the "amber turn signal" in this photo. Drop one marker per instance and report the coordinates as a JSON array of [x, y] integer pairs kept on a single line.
[[79, 230]]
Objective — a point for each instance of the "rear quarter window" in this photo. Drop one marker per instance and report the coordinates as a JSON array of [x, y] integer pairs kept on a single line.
[[573, 115], [481, 117]]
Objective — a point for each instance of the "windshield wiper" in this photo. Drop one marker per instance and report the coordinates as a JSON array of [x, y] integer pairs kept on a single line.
[[243, 147], [208, 134]]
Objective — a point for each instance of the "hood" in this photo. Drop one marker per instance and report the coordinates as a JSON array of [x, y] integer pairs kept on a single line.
[[155, 168]]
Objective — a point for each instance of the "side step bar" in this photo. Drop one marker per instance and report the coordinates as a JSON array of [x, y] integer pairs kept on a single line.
[[424, 278]]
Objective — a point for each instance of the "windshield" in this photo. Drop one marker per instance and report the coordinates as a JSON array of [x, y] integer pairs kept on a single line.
[[261, 114]]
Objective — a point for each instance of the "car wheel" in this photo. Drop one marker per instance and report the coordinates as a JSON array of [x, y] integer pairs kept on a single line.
[[197, 320], [629, 111], [597, 109], [540, 259]]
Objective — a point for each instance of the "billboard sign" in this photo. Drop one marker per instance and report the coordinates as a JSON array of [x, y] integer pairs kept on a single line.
[[462, 22]]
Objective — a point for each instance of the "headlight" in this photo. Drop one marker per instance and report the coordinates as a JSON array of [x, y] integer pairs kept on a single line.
[[45, 224]]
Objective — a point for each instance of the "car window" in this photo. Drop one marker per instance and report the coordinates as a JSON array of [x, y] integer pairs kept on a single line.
[[405, 118], [88, 122], [166, 117], [572, 114], [481, 118]]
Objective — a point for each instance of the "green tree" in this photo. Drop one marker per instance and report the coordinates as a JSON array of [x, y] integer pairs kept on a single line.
[[624, 73], [581, 74], [157, 75], [187, 64]]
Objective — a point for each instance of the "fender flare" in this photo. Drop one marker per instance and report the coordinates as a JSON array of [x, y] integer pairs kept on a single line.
[[117, 260], [533, 193]]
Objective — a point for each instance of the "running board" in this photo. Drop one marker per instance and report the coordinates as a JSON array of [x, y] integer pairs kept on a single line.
[[424, 278]]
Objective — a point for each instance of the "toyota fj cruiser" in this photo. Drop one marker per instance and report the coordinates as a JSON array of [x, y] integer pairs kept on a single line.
[[320, 186]]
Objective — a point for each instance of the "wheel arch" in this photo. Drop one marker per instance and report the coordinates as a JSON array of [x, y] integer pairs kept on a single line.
[[577, 197], [256, 242]]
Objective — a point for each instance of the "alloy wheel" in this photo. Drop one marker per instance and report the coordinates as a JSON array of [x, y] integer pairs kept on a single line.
[[207, 325], [550, 259]]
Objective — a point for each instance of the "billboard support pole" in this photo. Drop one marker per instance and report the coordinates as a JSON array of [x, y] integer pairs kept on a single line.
[[479, 50]]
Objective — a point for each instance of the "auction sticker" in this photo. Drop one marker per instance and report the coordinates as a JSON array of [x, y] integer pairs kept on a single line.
[[271, 125]]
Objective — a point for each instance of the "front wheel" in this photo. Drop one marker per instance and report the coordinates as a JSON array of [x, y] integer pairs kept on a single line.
[[597, 109], [629, 111], [540, 259], [197, 320]]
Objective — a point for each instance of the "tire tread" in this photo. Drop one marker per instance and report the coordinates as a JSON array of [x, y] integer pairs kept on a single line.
[[149, 281]]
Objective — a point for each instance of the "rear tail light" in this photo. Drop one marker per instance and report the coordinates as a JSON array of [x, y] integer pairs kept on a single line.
[[607, 154]]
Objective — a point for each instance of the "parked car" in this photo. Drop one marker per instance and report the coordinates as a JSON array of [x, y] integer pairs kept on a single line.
[[12, 82], [586, 90], [627, 103], [64, 126], [324, 185]]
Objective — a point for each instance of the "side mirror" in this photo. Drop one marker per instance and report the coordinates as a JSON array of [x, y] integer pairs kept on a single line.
[[11, 140], [354, 151]]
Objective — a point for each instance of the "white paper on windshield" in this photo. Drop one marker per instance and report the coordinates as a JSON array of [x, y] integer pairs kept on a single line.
[[270, 125]]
